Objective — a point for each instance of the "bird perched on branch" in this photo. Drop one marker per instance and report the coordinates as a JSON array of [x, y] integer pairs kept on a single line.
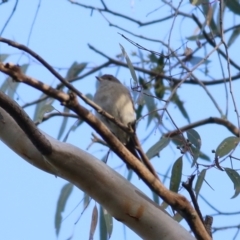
[[114, 98]]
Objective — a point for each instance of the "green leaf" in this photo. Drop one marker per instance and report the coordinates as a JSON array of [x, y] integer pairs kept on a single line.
[[204, 156], [24, 68], [130, 174], [233, 5], [47, 108], [3, 57], [207, 6], [176, 175], [73, 128], [39, 106], [180, 106], [102, 226], [150, 104], [178, 140], [86, 201], [130, 66], [235, 178], [75, 69], [199, 182], [109, 222], [64, 123], [157, 147], [12, 88], [195, 154], [159, 88], [178, 217], [234, 36], [194, 138], [6, 84], [152, 57], [62, 200], [226, 146], [155, 198], [93, 222]]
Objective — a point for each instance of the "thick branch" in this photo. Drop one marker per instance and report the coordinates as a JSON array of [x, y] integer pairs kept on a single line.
[[26, 124], [133, 208]]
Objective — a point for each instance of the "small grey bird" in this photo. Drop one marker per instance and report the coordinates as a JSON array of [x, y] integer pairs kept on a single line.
[[113, 97]]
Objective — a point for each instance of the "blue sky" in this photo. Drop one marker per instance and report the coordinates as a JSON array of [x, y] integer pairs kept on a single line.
[[60, 35]]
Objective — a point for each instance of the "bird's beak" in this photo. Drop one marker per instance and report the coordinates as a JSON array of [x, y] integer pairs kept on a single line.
[[98, 78]]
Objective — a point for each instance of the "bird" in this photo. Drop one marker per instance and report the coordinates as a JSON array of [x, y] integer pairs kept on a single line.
[[114, 98]]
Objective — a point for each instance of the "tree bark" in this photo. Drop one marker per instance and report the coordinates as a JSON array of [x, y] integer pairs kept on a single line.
[[126, 203]]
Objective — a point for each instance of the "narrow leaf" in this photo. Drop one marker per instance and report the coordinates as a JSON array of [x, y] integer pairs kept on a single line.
[[86, 201], [47, 108], [199, 182], [195, 140], [129, 63], [93, 222], [150, 104], [178, 217], [6, 84], [233, 5], [64, 123], [226, 146], [73, 128], [3, 57], [178, 140], [41, 105], [75, 70], [157, 147], [176, 175], [180, 106], [155, 198], [102, 226], [235, 34], [204, 156], [109, 222], [62, 200], [235, 178]]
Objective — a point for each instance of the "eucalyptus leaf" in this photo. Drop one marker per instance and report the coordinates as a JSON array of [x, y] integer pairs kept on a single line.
[[235, 34], [93, 222], [62, 200], [235, 178], [199, 182], [226, 146], [109, 222], [75, 69], [102, 226], [3, 57], [157, 147], [130, 65], [176, 175], [233, 5], [64, 123], [180, 105]]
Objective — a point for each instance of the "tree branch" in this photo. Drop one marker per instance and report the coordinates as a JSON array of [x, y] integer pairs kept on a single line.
[[133, 208], [233, 129]]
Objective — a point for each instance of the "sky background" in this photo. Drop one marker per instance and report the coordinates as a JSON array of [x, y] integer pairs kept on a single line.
[[60, 35]]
